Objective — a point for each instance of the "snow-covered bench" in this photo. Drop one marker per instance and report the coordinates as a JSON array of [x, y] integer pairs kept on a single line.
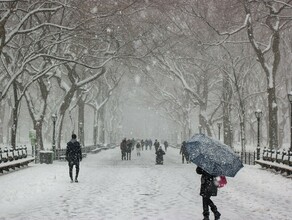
[[6, 166], [276, 166]]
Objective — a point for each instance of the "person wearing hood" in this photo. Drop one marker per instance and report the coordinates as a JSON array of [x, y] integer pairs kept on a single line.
[[159, 155], [73, 156]]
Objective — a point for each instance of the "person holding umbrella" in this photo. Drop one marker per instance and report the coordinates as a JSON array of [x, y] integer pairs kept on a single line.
[[208, 189], [213, 159]]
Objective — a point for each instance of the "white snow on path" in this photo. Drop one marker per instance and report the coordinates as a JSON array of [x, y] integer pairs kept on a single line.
[[110, 188]]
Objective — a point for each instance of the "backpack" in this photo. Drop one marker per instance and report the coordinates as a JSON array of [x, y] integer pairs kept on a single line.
[[220, 181]]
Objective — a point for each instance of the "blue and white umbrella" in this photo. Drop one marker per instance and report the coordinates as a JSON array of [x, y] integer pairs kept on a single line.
[[214, 157]]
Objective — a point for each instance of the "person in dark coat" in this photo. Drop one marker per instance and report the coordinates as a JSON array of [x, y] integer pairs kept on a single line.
[[159, 156], [123, 147], [184, 152], [165, 145], [138, 149], [129, 149], [150, 144], [73, 156], [208, 189], [142, 144], [156, 145]]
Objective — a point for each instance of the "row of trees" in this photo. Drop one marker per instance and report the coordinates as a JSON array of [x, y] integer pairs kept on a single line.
[[230, 58], [202, 62], [58, 57]]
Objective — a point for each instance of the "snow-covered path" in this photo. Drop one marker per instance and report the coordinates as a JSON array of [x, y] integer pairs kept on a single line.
[[110, 188]]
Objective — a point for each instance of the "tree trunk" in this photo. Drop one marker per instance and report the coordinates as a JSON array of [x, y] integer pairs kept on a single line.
[[2, 113], [38, 127], [273, 118], [95, 127], [62, 110], [227, 95], [14, 116], [81, 129], [101, 134]]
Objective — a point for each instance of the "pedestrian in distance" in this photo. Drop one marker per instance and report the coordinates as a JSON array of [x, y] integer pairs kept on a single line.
[[73, 156], [156, 145], [184, 152], [138, 149], [129, 149], [123, 147], [150, 144], [208, 189], [146, 144], [142, 144], [159, 155], [165, 145]]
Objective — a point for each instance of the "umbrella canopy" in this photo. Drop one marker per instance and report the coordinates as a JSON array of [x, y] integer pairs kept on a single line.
[[213, 156]]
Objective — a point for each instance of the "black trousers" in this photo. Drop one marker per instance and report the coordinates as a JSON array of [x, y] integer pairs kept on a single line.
[[206, 203], [71, 164], [128, 155], [185, 156], [123, 155]]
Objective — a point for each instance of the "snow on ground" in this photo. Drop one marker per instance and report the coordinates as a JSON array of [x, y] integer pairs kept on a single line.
[[110, 188]]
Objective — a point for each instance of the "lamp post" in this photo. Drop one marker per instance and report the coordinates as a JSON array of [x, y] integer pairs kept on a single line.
[[54, 119], [290, 100], [219, 128], [258, 114]]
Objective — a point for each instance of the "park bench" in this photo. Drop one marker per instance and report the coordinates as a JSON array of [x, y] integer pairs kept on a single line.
[[277, 156], [283, 168], [14, 158]]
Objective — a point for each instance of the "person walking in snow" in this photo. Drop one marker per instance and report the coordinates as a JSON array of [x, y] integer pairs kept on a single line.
[[156, 145], [184, 152], [159, 156], [142, 144], [123, 147], [208, 189], [165, 145], [73, 156], [129, 149], [138, 149], [150, 144]]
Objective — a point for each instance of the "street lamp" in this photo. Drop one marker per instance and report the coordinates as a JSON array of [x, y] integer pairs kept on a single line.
[[219, 128], [258, 114], [54, 119], [290, 100]]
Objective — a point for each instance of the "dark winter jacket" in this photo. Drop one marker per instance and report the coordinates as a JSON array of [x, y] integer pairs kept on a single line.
[[160, 153], [183, 149], [208, 187], [138, 145], [156, 145], [129, 147], [73, 152], [123, 145], [165, 144]]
